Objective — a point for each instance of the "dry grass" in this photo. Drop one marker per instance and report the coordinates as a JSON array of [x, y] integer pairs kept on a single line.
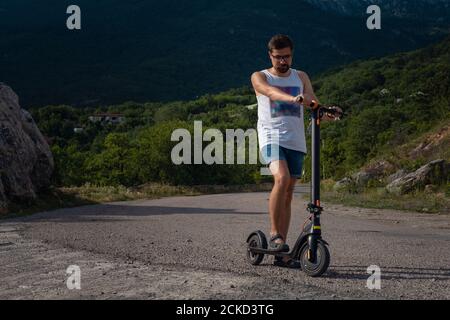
[[379, 198]]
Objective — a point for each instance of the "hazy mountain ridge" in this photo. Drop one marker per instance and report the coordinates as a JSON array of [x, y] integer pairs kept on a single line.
[[416, 9], [162, 51]]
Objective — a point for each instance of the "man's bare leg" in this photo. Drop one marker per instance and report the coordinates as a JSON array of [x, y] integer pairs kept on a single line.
[[277, 201], [286, 219]]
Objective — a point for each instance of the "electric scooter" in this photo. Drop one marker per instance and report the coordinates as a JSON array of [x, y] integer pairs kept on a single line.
[[310, 249]]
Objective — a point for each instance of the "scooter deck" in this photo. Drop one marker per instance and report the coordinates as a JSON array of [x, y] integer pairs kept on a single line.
[[270, 252]]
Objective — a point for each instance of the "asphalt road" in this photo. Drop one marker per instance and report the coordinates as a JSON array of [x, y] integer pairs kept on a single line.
[[194, 248]]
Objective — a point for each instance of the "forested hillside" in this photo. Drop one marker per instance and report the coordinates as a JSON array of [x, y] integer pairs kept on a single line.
[[388, 102]]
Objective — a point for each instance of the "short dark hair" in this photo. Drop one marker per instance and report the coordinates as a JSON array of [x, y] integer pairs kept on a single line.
[[280, 41]]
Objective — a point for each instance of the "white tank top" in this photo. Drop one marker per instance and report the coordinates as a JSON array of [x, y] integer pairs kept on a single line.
[[281, 122]]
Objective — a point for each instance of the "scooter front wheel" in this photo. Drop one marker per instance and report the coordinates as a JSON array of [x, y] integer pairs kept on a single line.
[[320, 265]]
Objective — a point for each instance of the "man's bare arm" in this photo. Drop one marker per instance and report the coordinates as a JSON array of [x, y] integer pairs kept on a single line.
[[261, 86], [308, 91], [309, 95]]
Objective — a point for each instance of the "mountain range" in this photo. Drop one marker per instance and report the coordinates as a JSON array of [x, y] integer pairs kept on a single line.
[[430, 10], [175, 50]]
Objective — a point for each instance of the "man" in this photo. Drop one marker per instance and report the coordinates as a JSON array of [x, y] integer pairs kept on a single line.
[[281, 134]]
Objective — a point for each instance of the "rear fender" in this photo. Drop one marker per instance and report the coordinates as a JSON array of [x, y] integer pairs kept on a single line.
[[259, 233]]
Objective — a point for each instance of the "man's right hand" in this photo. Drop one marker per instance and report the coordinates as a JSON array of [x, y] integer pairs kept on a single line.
[[298, 99]]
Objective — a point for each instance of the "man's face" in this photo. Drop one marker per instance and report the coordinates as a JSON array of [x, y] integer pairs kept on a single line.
[[281, 59]]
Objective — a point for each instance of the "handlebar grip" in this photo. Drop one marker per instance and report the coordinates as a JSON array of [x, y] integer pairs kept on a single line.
[[314, 104]]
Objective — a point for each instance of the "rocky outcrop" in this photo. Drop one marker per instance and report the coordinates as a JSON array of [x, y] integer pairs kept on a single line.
[[399, 174], [344, 185], [374, 171], [435, 172], [26, 162], [427, 178]]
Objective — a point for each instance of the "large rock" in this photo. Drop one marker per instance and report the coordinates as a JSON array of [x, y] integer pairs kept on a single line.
[[399, 174], [435, 172], [374, 171], [26, 162], [344, 185]]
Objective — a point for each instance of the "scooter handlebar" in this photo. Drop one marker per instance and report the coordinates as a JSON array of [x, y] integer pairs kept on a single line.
[[314, 104], [332, 110], [300, 99]]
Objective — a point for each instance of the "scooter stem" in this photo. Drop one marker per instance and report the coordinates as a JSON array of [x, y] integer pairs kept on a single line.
[[314, 207], [315, 158]]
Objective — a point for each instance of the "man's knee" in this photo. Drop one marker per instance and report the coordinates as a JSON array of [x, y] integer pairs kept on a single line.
[[282, 181]]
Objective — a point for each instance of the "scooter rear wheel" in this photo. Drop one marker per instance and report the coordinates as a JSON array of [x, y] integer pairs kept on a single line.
[[318, 267], [256, 240]]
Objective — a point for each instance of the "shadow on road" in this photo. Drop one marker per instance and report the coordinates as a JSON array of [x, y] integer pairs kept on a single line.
[[388, 273], [104, 212]]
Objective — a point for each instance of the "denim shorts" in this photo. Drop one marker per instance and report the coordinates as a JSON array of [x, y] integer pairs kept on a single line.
[[293, 158]]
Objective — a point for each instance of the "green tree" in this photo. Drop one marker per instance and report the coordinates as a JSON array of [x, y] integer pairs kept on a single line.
[[116, 164]]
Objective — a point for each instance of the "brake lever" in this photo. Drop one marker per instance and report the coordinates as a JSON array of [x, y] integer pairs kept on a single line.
[[332, 112]]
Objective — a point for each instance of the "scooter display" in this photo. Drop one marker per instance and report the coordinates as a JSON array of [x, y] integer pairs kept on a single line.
[[310, 248]]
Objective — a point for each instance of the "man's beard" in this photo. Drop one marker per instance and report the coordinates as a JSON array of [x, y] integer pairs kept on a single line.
[[283, 68]]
